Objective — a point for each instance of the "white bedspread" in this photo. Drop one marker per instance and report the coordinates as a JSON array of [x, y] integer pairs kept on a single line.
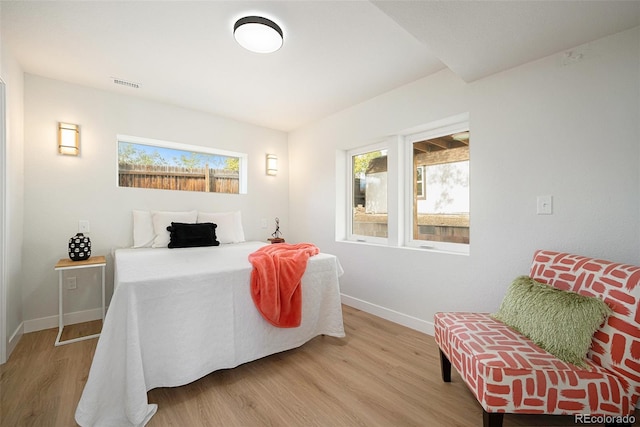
[[178, 314]]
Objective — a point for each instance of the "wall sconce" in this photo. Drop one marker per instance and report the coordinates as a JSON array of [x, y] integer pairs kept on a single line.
[[272, 164], [68, 139]]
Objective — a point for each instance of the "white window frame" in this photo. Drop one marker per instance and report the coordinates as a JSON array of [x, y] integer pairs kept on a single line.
[[351, 236], [243, 157], [443, 127]]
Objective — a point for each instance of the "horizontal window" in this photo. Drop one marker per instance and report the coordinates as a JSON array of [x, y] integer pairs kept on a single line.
[[153, 164]]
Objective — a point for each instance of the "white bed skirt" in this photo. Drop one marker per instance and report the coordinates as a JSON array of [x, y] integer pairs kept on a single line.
[[178, 314]]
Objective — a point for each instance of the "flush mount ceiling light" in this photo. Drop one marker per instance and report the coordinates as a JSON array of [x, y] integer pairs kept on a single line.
[[258, 34]]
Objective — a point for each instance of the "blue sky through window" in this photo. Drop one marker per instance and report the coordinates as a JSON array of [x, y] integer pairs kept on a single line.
[[141, 153]]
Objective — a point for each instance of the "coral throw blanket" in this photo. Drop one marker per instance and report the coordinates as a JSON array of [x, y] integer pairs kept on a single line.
[[275, 281]]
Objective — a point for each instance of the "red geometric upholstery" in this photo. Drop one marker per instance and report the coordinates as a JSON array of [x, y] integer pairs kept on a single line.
[[509, 373]]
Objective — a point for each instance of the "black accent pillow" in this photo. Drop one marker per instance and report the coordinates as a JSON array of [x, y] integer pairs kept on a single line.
[[183, 235]]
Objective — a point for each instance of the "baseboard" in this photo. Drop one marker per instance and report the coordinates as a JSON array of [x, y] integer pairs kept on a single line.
[[69, 319], [15, 337], [391, 315]]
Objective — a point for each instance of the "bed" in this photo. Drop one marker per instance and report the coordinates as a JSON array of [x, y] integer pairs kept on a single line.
[[177, 315]]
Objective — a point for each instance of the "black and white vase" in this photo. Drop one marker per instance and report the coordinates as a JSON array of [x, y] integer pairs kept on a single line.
[[79, 247]]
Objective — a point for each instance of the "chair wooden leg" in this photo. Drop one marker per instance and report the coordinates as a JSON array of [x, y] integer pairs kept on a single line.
[[445, 368], [492, 419]]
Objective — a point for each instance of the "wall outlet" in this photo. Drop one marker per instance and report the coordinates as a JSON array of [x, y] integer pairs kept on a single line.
[[71, 283], [263, 223], [83, 226]]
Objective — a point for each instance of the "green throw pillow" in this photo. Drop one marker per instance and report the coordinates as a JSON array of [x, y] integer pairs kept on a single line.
[[561, 322]]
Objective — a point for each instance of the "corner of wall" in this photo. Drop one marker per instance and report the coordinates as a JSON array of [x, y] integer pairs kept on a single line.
[[12, 205]]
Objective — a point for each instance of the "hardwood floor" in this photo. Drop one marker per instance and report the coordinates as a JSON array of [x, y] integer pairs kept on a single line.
[[381, 374]]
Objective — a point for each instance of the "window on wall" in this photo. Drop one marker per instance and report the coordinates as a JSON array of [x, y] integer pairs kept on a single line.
[[440, 200], [153, 164], [368, 216], [413, 190]]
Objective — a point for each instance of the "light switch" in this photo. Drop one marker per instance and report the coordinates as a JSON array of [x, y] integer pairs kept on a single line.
[[544, 205]]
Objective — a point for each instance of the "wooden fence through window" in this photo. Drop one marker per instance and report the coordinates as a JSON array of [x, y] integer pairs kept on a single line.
[[178, 178]]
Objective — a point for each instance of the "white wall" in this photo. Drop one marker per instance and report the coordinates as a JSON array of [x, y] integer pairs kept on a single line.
[[61, 190], [12, 75], [544, 128]]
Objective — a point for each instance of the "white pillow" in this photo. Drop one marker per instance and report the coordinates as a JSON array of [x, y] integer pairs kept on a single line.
[[229, 224], [161, 220], [143, 234]]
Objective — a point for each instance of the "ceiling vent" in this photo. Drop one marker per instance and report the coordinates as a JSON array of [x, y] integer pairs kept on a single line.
[[126, 83]]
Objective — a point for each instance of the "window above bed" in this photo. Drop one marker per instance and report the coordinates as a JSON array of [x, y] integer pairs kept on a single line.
[[155, 164]]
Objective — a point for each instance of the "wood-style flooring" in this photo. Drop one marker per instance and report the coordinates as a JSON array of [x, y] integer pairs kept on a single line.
[[381, 374]]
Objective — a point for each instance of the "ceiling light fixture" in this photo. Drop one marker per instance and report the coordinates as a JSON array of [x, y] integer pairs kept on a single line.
[[258, 34]]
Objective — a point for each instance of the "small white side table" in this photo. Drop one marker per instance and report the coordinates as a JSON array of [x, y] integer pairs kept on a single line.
[[67, 264]]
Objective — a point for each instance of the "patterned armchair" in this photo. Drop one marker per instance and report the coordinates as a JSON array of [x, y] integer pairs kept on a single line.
[[508, 373]]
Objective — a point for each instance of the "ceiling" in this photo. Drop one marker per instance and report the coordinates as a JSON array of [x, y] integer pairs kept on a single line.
[[336, 53]]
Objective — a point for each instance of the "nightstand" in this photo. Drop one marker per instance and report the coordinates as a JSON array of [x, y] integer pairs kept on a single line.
[[66, 264]]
